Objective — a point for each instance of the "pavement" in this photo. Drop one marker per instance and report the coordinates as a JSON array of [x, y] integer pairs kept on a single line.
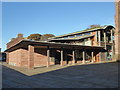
[[99, 75], [43, 69]]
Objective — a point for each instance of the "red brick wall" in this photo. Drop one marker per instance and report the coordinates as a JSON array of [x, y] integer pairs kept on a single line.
[[15, 57], [24, 57], [15, 40], [103, 56], [19, 57], [40, 57], [12, 43]]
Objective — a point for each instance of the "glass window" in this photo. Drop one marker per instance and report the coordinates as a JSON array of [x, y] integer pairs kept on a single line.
[[87, 33], [65, 37], [71, 36], [78, 35], [113, 38]]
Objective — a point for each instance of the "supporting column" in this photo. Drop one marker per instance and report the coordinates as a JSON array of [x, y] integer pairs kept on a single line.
[[105, 44], [99, 38], [99, 56], [112, 42], [96, 37], [7, 57], [61, 57], [105, 39], [30, 57], [92, 54], [48, 56], [83, 57], [73, 56], [111, 36], [97, 41]]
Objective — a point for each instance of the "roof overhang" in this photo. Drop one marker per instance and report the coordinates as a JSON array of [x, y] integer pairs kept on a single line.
[[25, 43], [84, 31], [72, 39]]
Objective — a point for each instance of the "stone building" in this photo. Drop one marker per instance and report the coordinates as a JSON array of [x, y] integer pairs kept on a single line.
[[93, 45]]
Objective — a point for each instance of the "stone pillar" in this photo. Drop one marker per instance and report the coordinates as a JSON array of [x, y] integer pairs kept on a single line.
[[92, 54], [61, 57], [30, 57], [117, 31], [83, 57], [7, 57], [48, 56], [73, 56]]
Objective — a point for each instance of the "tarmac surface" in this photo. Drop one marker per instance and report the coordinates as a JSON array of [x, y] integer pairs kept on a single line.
[[103, 75]]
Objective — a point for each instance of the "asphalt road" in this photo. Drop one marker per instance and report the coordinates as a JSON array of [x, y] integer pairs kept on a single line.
[[80, 76]]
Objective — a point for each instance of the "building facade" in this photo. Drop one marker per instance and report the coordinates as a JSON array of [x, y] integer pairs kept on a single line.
[[117, 32], [94, 45], [103, 36]]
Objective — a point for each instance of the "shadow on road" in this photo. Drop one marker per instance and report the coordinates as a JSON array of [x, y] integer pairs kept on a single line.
[[104, 75]]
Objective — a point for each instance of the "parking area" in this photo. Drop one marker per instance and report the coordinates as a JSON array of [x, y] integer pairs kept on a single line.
[[104, 75]]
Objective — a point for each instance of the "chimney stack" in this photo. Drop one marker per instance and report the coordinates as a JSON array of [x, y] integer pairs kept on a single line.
[[20, 35]]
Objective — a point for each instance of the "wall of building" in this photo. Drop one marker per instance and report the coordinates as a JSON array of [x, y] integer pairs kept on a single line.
[[88, 42], [19, 58], [117, 32], [24, 57], [15, 57], [40, 57], [15, 40], [94, 39]]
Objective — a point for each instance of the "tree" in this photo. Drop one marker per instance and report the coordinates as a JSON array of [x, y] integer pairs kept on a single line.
[[94, 26], [36, 37], [46, 36]]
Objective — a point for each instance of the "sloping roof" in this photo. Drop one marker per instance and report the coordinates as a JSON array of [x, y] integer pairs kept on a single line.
[[83, 31], [25, 43], [70, 39]]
